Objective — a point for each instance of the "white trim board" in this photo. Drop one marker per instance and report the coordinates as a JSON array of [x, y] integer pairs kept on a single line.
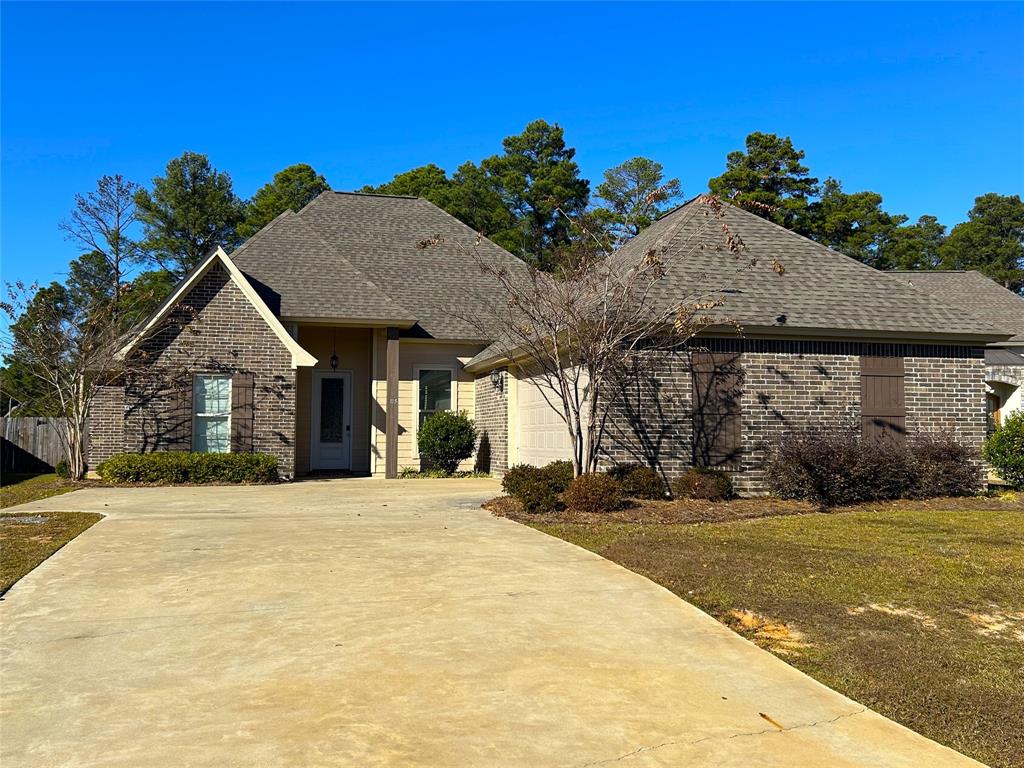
[[300, 357]]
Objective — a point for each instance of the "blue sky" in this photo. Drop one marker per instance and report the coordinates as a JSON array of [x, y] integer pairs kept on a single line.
[[922, 103]]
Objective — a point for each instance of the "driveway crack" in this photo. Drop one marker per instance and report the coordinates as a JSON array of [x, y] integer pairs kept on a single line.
[[652, 747]]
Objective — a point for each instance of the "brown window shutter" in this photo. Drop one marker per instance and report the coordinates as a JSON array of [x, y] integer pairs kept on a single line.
[[179, 431], [242, 390], [883, 406], [717, 411]]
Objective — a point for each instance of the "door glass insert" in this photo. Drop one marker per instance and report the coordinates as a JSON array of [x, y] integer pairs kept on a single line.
[[332, 411]]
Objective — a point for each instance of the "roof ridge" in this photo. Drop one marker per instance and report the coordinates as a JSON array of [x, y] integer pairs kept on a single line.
[[854, 262], [370, 194], [470, 229], [316, 233]]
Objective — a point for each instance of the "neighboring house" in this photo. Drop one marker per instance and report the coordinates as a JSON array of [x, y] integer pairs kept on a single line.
[[332, 333], [977, 295], [830, 342]]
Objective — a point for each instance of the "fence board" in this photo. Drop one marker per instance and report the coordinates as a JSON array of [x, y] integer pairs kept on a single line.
[[30, 443]]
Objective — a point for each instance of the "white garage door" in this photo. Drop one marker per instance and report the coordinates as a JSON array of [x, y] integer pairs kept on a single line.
[[543, 437]]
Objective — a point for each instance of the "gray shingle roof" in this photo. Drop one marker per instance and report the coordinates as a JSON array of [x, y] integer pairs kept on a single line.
[[305, 277], [976, 294], [356, 256], [820, 290]]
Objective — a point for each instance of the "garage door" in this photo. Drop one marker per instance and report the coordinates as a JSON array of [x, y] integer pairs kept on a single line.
[[543, 437]]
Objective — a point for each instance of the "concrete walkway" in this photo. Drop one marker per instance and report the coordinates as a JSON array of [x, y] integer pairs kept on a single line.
[[368, 623]]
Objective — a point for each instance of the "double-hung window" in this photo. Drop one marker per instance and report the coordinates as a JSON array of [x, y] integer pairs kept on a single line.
[[211, 414], [436, 392]]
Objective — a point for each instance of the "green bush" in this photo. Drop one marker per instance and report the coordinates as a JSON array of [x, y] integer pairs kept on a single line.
[[518, 477], [533, 487], [638, 481], [62, 469], [174, 467], [1004, 450], [594, 492], [445, 439], [559, 474], [539, 496], [703, 483]]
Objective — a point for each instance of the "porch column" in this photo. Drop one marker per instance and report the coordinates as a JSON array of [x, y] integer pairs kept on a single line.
[[391, 420]]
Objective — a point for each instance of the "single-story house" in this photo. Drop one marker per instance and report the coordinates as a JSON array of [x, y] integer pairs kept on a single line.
[[331, 334], [972, 292]]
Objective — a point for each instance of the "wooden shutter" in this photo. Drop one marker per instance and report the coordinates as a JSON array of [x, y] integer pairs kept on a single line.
[[242, 387], [717, 412], [883, 407], [179, 414]]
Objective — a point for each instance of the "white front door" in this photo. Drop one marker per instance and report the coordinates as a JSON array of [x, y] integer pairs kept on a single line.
[[331, 422]]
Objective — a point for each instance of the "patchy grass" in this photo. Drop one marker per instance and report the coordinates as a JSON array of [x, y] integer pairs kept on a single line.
[[29, 538], [915, 609], [19, 489]]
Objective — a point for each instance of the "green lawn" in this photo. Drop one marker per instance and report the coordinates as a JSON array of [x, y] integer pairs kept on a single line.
[[25, 541], [18, 489], [917, 613]]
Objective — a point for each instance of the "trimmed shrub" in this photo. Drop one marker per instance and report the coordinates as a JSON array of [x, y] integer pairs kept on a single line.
[[703, 483], [559, 474], [638, 481], [518, 477], [180, 467], [833, 468], [944, 466], [1004, 450], [539, 496], [594, 492], [822, 466], [532, 487], [445, 439], [62, 469]]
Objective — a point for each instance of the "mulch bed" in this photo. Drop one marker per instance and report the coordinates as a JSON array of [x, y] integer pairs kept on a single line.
[[689, 511]]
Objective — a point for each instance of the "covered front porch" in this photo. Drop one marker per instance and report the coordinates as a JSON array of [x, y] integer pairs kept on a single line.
[[359, 407]]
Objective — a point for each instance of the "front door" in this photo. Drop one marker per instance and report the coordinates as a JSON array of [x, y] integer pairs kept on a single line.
[[331, 423]]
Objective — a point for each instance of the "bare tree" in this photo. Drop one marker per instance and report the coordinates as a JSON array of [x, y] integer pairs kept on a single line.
[[71, 348], [585, 331], [100, 222]]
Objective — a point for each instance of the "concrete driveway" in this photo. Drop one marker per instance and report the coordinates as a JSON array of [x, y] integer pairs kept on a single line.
[[366, 623]]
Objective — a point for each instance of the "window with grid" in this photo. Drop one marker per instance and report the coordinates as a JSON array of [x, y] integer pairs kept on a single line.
[[211, 414]]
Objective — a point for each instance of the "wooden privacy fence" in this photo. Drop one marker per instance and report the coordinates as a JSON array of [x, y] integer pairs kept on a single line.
[[30, 443]]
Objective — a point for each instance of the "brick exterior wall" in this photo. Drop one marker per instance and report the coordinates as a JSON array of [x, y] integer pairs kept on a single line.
[[789, 386], [106, 425], [492, 422], [217, 331]]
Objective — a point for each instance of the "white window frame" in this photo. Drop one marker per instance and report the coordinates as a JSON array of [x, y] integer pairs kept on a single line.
[[454, 371], [196, 415]]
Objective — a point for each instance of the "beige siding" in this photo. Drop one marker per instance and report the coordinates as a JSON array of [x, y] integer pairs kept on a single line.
[[353, 349], [414, 354]]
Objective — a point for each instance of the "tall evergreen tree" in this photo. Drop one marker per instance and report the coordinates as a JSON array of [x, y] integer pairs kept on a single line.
[[852, 223], [191, 210], [634, 193], [769, 179], [291, 188], [914, 246], [540, 183], [990, 241]]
